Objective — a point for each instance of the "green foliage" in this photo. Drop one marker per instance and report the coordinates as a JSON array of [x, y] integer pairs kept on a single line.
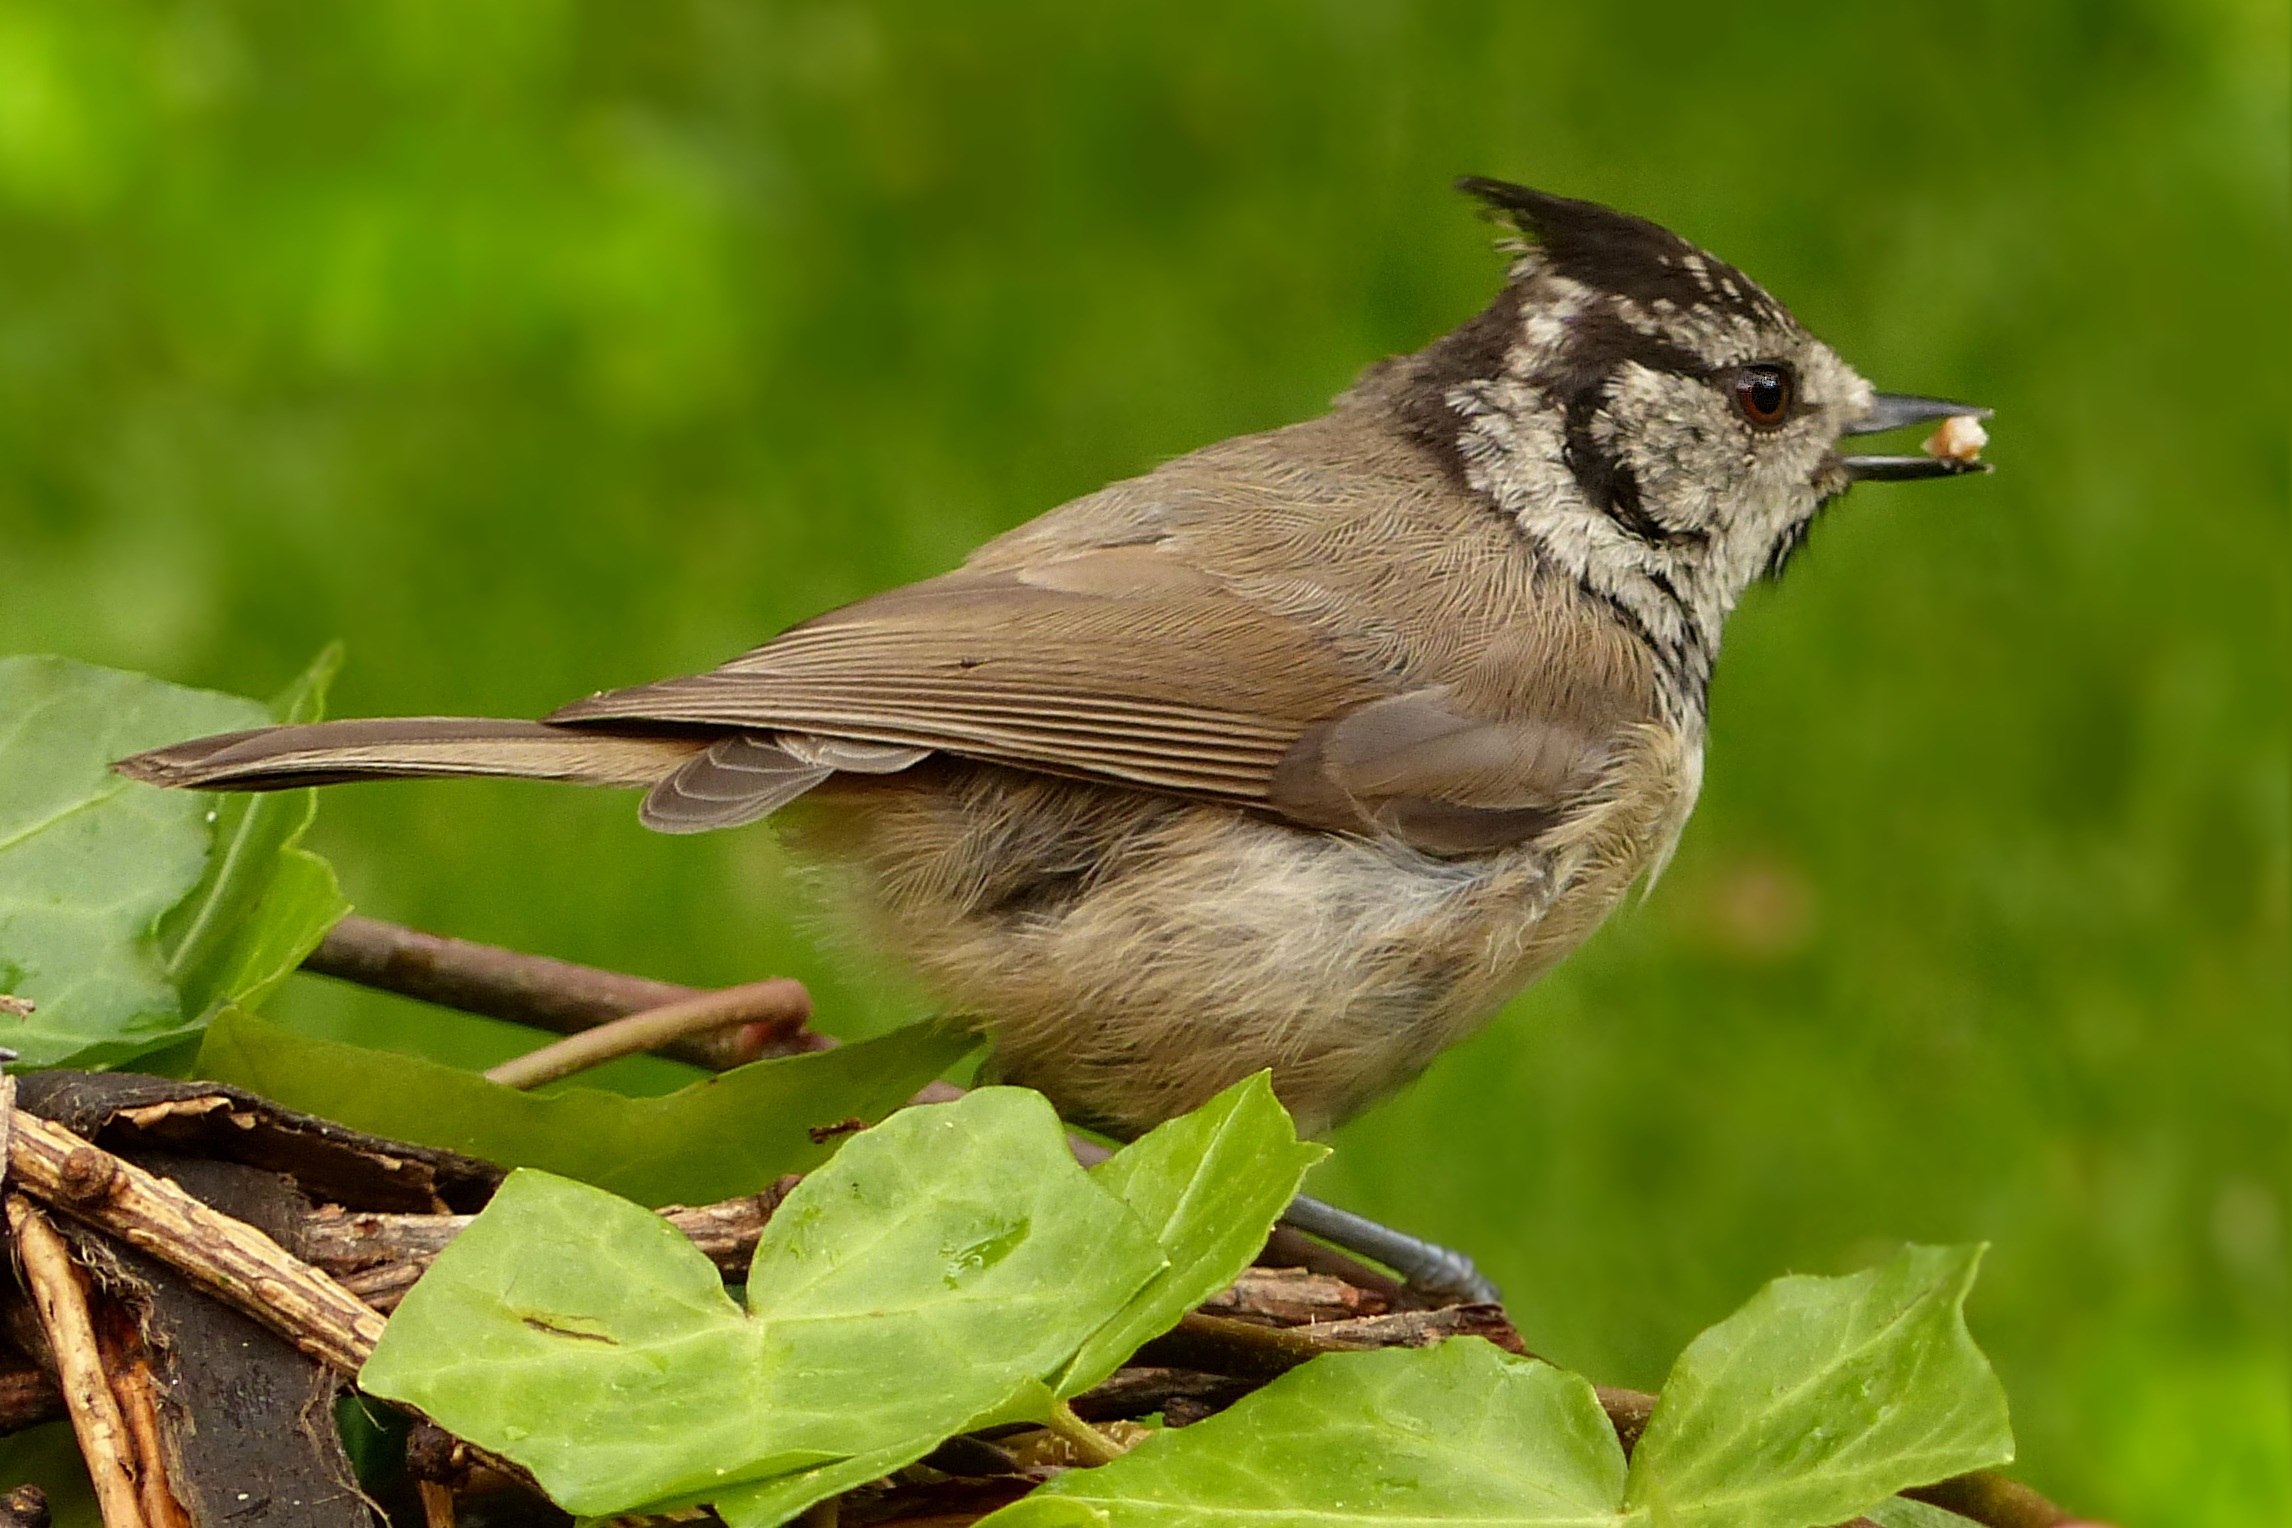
[[931, 1277], [728, 1134], [1816, 1400], [1902, 1512], [1822, 1396], [953, 1269], [1207, 1184], [1460, 1433], [128, 914], [947, 1270]]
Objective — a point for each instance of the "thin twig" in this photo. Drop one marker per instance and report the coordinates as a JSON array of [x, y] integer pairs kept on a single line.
[[778, 1009], [1089, 1444], [508, 984], [239, 1264], [1994, 1500], [60, 1298]]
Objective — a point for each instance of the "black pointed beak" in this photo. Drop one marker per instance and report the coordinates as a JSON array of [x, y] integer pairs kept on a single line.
[[1894, 411]]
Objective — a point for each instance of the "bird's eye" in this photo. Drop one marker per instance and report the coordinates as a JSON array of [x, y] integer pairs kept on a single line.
[[1763, 394]]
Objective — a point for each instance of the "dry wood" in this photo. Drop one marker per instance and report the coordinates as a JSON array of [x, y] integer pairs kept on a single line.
[[1293, 1297], [239, 1264], [60, 1297], [777, 1010], [1140, 1390], [1253, 1350], [137, 1392]]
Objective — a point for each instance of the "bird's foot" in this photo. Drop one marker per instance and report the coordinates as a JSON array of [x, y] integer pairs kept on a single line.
[[1436, 1274]]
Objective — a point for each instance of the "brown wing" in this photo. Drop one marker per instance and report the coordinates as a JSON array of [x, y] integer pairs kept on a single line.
[[1127, 665], [1118, 664]]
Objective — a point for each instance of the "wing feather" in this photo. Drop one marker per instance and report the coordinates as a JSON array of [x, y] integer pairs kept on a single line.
[[1121, 669], [1104, 677]]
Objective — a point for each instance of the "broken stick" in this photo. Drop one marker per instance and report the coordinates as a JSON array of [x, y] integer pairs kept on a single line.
[[61, 1300], [243, 1267]]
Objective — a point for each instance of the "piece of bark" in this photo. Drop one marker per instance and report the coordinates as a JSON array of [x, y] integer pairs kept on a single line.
[[1144, 1389], [330, 1162], [1253, 1351], [137, 1392], [60, 1295], [245, 1419], [1293, 1297], [226, 1256], [1288, 1247]]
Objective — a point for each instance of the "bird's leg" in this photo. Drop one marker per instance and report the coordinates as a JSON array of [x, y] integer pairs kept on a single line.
[[1433, 1272]]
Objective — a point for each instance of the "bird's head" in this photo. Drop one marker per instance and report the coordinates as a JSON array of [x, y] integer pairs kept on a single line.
[[1659, 426]]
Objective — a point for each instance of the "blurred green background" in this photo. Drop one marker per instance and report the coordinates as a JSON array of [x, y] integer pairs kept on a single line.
[[533, 348]]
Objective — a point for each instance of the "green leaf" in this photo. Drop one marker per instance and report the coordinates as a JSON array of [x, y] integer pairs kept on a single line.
[[724, 1135], [1463, 1432], [1209, 1185], [1045, 1511], [929, 1276], [1901, 1512], [89, 860], [1823, 1396], [264, 902]]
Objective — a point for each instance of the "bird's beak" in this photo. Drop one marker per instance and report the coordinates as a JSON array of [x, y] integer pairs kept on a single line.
[[1894, 411]]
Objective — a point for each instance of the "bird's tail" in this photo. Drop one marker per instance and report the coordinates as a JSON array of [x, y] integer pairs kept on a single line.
[[386, 748]]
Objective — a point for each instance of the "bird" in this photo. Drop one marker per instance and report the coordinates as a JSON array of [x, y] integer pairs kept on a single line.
[[1302, 752]]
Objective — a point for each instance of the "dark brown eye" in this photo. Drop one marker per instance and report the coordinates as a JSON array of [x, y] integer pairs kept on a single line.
[[1763, 393]]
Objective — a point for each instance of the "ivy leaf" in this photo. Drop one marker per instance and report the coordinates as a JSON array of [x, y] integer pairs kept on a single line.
[[1817, 1399], [1209, 1185], [929, 1276], [728, 1134], [1902, 1512], [90, 861], [264, 901], [1462, 1433], [1823, 1396]]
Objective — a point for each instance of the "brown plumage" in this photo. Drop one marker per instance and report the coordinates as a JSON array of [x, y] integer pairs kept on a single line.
[[1305, 750]]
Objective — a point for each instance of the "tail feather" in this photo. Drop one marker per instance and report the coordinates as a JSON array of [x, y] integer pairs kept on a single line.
[[383, 748]]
